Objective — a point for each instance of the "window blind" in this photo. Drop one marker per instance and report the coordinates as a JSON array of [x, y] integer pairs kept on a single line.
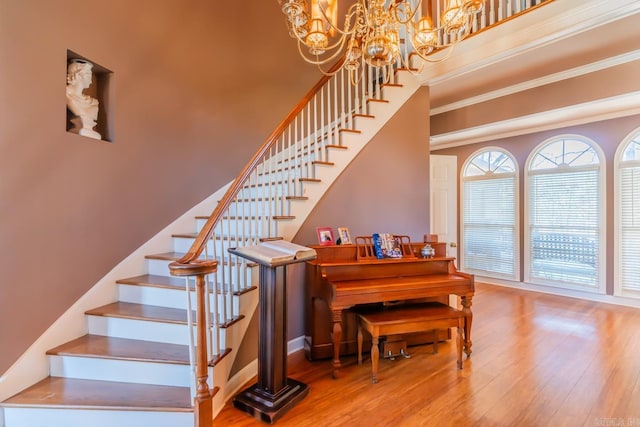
[[629, 228], [489, 221], [564, 226]]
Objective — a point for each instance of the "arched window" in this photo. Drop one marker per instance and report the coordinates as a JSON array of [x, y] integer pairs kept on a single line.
[[565, 214], [627, 275], [489, 215]]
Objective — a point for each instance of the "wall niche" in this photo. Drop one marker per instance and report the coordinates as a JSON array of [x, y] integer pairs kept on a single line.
[[88, 98]]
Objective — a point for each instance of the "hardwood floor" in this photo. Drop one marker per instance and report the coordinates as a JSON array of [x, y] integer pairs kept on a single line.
[[538, 360]]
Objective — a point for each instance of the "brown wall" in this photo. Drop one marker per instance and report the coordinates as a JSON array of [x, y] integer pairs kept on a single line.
[[608, 134], [386, 188], [192, 94]]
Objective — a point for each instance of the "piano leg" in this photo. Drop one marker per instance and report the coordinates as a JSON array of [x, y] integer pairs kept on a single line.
[[337, 338], [466, 309]]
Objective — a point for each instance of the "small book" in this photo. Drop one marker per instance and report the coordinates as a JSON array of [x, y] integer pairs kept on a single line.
[[275, 251], [386, 245]]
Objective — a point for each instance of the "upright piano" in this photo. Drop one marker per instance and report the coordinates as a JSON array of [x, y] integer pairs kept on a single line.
[[341, 278]]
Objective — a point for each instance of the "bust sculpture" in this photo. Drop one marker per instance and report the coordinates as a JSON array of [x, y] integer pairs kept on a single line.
[[84, 107]]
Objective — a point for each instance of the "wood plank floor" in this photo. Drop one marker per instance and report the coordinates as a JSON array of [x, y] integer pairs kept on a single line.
[[538, 360]]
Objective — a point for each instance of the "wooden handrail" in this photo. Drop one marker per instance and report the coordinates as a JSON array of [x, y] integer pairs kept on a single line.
[[198, 245]]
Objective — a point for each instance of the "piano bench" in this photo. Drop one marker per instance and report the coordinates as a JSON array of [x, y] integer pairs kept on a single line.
[[405, 319]]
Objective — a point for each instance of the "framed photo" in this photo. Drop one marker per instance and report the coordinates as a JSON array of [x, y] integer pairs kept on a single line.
[[345, 237], [325, 236]]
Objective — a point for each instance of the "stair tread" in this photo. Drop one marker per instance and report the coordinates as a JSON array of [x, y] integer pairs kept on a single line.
[[97, 346], [166, 256], [56, 392], [130, 310], [154, 280]]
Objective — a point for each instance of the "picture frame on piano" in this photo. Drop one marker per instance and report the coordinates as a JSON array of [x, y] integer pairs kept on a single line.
[[325, 236], [344, 235]]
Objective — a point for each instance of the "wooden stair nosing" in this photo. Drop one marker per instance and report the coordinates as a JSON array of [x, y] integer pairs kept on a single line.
[[283, 217], [152, 313], [354, 131], [166, 256], [219, 357], [377, 100], [309, 180], [337, 147], [176, 283], [174, 256], [246, 290], [149, 313], [169, 282], [104, 347], [254, 199], [66, 393]]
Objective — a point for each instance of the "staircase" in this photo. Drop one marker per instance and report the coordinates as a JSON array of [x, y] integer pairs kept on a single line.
[[136, 364]]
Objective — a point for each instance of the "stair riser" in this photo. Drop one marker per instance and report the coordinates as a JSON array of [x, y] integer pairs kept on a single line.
[[217, 246], [282, 187], [102, 369], [259, 208], [144, 330], [172, 298], [263, 225], [236, 275], [52, 417]]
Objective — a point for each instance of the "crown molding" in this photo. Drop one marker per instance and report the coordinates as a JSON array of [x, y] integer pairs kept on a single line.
[[531, 84], [604, 109]]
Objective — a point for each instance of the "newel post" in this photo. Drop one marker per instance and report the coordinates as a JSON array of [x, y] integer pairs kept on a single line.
[[203, 401]]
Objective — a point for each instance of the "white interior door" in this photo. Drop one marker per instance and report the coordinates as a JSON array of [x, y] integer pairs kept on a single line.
[[444, 201]]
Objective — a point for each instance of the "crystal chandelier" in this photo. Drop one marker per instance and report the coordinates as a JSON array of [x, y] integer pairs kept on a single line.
[[376, 30]]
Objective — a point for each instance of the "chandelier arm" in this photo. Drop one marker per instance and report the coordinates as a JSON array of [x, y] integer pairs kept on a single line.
[[318, 61], [449, 49], [404, 62], [299, 38], [350, 15], [412, 15]]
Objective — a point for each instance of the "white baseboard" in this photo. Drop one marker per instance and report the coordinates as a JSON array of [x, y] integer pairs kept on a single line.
[[588, 296]]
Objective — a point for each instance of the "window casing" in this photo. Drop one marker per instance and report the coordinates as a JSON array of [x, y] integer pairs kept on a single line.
[[490, 215], [627, 208], [564, 236]]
